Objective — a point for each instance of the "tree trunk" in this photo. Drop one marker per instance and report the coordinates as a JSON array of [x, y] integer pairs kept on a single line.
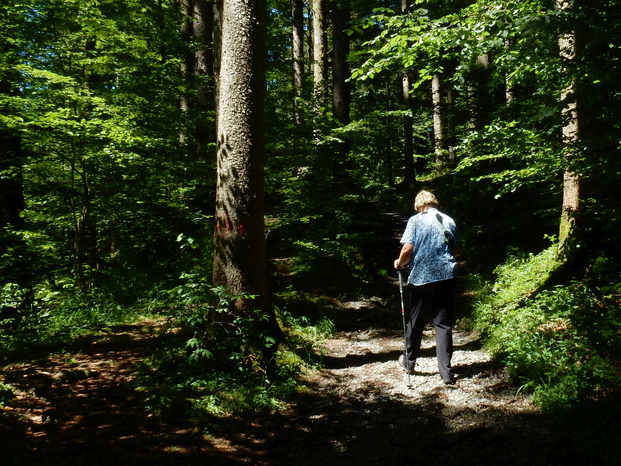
[[186, 67], [508, 92], [239, 243], [450, 125], [571, 180], [297, 13], [508, 83], [408, 146], [319, 57], [340, 70], [309, 37], [387, 143], [438, 136], [478, 93], [217, 49], [202, 31]]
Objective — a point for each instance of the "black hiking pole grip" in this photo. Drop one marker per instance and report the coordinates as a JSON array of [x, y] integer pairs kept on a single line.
[[405, 340]]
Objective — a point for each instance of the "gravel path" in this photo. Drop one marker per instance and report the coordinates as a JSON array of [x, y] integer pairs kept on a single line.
[[363, 364], [358, 408]]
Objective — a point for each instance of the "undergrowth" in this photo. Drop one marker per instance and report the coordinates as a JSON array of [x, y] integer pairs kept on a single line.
[[560, 342], [221, 363], [46, 315]]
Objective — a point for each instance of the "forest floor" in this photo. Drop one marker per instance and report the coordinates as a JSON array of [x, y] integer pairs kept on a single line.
[[77, 406]]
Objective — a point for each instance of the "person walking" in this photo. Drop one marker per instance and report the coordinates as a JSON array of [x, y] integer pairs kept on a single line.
[[428, 244]]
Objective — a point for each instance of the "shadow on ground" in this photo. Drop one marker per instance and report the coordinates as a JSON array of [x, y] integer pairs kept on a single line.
[[79, 407]]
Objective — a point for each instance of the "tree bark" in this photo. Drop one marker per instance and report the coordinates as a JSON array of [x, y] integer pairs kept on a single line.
[[450, 124], [217, 49], [297, 14], [570, 134], [438, 130], [239, 243], [186, 67], [508, 83], [478, 92], [340, 70], [319, 57]]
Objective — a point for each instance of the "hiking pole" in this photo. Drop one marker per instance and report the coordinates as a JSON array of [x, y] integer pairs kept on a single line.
[[405, 340]]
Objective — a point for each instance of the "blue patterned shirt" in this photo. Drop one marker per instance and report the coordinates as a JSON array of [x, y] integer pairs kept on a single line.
[[433, 236]]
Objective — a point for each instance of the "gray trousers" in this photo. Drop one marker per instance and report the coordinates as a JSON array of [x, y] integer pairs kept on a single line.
[[435, 302]]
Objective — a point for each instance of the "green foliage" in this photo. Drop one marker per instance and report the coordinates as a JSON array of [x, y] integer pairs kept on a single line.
[[516, 280], [561, 343], [7, 393], [46, 314], [213, 368], [92, 100]]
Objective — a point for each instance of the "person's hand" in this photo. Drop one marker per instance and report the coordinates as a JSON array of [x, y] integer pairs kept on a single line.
[[396, 264]]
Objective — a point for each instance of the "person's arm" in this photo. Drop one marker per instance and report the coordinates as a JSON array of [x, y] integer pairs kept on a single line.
[[404, 256]]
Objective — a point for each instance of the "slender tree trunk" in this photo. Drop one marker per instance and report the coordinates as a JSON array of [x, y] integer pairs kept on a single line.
[[438, 130], [319, 56], [478, 93], [340, 70], [217, 49], [571, 180], [508, 83], [202, 31], [239, 243], [309, 37], [408, 146], [508, 92], [450, 124], [186, 67], [297, 13], [387, 143]]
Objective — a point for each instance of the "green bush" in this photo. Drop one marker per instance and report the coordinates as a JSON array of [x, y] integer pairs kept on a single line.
[[518, 278], [7, 393], [222, 362], [561, 342], [45, 313]]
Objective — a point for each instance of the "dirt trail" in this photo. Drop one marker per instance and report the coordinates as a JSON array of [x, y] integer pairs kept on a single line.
[[78, 407], [359, 410]]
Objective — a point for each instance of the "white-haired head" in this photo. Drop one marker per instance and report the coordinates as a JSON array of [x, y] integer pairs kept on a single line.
[[423, 200]]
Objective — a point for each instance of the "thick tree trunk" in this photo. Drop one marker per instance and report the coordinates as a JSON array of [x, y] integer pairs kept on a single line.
[[438, 130], [297, 14], [202, 31], [571, 180], [239, 244], [340, 70], [408, 145], [319, 57]]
